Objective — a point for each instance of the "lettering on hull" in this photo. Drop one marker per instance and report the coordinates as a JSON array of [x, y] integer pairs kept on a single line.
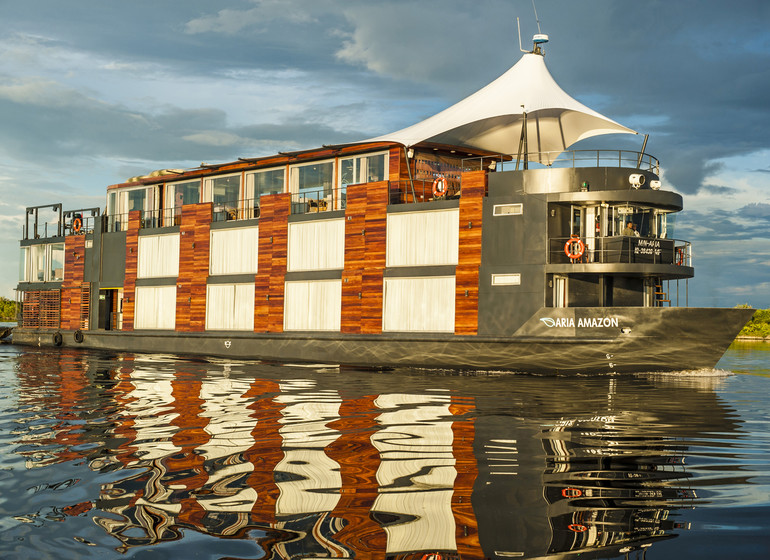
[[582, 322]]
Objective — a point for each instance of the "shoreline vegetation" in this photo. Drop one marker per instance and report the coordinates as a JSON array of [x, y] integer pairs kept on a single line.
[[7, 309], [758, 328]]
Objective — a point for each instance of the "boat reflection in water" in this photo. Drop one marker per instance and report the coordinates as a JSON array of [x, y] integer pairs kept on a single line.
[[301, 463]]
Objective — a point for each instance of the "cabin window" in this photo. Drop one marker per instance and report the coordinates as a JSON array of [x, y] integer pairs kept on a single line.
[[158, 256], [423, 238], [316, 245], [312, 187], [56, 262], [234, 251], [368, 168], [180, 194], [506, 279], [23, 265], [419, 304], [225, 193], [508, 209], [230, 307], [155, 307], [313, 305], [37, 263], [263, 183], [123, 201]]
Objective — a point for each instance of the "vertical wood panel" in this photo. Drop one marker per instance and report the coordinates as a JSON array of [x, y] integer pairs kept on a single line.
[[355, 255], [474, 186], [74, 268], [264, 263], [194, 248], [280, 235], [375, 224], [129, 283]]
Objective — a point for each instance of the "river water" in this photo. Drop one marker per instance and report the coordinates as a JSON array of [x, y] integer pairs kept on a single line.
[[156, 456]]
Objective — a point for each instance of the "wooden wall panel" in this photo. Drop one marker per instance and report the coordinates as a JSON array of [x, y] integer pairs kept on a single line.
[[194, 248], [271, 265], [355, 255], [129, 283], [474, 187], [74, 268], [375, 232], [280, 246]]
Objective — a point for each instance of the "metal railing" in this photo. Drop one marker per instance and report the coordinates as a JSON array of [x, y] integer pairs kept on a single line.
[[619, 249], [570, 159], [423, 190], [242, 209], [318, 200]]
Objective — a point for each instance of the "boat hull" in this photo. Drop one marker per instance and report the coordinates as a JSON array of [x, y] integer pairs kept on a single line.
[[554, 340]]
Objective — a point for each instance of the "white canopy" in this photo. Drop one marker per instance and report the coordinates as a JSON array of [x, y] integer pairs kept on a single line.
[[491, 119]]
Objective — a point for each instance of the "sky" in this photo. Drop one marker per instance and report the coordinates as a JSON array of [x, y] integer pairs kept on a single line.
[[95, 91]]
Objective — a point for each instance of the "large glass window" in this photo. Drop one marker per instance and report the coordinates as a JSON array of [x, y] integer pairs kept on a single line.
[[56, 262], [179, 194], [136, 199], [363, 169], [23, 265], [312, 186], [224, 192], [37, 263], [262, 183]]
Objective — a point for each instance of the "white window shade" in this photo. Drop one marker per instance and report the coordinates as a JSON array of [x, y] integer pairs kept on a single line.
[[230, 307], [158, 256], [419, 304], [234, 251], [423, 238], [316, 245], [313, 305], [155, 307]]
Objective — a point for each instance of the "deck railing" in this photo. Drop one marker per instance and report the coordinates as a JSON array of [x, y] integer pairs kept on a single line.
[[571, 159], [319, 200], [619, 249]]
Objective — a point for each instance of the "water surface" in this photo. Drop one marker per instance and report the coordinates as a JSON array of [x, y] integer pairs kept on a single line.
[[134, 456]]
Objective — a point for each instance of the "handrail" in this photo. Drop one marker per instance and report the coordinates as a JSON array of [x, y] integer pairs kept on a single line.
[[570, 159], [619, 249], [319, 200]]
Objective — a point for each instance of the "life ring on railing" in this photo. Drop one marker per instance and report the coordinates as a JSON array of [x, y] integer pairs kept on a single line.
[[77, 225], [439, 186], [574, 248], [431, 556], [571, 492], [78, 336], [577, 528], [679, 256], [57, 339]]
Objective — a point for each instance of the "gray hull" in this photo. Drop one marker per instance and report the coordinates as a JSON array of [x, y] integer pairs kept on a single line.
[[554, 340]]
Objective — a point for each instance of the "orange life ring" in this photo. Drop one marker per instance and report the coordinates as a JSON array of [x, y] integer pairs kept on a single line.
[[439, 186], [575, 527], [679, 256], [77, 225], [571, 492], [431, 556], [572, 243]]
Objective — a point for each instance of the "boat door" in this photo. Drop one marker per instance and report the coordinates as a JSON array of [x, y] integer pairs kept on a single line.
[[106, 305]]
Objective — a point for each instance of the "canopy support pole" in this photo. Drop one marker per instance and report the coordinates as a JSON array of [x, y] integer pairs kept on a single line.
[[641, 154], [409, 170], [523, 144]]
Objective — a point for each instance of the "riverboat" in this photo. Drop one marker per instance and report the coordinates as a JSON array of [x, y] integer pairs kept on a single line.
[[474, 239]]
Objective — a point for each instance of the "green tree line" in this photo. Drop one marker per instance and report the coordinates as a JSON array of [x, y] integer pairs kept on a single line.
[[7, 309], [759, 324]]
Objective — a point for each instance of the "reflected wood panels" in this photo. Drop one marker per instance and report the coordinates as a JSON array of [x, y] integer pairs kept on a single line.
[[375, 234], [474, 186], [71, 295], [464, 432], [132, 257], [194, 248], [271, 266], [358, 460]]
